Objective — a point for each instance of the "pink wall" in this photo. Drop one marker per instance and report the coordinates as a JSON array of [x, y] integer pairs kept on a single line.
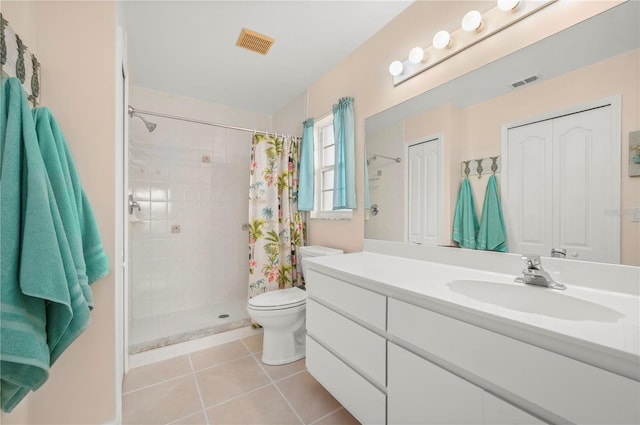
[[75, 43], [364, 76]]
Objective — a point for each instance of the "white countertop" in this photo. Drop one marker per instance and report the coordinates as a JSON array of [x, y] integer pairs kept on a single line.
[[610, 340]]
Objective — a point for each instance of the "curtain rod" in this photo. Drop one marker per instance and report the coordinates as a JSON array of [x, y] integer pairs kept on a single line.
[[213, 124]]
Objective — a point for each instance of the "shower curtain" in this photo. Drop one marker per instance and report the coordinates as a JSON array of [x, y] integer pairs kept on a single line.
[[275, 224]]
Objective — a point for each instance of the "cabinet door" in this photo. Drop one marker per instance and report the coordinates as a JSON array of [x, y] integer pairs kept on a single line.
[[362, 399], [419, 392], [499, 412], [368, 354]]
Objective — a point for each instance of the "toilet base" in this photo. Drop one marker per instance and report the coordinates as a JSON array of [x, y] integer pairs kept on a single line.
[[272, 362], [280, 348]]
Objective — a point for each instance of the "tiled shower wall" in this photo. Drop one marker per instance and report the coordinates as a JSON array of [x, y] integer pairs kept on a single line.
[[188, 249]]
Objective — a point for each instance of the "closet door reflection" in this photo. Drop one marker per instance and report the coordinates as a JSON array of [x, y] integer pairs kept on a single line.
[[558, 194], [423, 192]]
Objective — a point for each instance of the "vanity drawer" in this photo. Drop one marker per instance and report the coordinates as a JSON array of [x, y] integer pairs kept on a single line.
[[361, 398], [573, 390], [360, 303], [356, 345]]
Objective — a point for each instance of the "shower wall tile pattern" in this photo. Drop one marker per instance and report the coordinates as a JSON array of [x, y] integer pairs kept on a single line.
[[195, 177]]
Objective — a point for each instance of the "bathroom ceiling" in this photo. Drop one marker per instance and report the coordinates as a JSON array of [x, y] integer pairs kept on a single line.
[[189, 47]]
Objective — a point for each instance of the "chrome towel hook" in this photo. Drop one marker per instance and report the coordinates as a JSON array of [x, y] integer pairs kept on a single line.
[[479, 168]]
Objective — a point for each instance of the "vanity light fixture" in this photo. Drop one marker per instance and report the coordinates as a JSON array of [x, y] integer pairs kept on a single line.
[[508, 5], [416, 55], [472, 21], [396, 68], [442, 40], [475, 27]]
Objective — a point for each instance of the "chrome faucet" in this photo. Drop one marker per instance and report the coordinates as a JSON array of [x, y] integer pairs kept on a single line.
[[534, 274]]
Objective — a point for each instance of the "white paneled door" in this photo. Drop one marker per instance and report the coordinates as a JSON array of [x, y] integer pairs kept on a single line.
[[423, 192], [562, 185], [528, 201]]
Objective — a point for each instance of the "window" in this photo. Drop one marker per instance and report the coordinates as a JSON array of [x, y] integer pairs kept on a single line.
[[324, 164]]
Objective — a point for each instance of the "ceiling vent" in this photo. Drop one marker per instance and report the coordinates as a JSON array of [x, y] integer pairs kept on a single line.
[[526, 81], [254, 41]]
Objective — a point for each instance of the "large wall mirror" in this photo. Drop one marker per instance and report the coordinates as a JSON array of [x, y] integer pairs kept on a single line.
[[416, 150]]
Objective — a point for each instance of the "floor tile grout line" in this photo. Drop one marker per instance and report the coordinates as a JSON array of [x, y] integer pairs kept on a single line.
[[247, 346], [326, 416], [223, 363], [155, 384], [220, 403], [182, 418], [295, 412], [195, 378], [251, 354]]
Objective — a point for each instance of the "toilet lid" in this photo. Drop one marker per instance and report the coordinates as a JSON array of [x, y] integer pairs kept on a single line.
[[283, 298]]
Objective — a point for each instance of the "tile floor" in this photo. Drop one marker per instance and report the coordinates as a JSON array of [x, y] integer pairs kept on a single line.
[[228, 384]]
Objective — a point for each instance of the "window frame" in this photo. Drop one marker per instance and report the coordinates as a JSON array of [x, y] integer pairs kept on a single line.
[[318, 169]]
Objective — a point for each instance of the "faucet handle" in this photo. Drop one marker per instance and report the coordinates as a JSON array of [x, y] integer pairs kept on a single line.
[[531, 260]]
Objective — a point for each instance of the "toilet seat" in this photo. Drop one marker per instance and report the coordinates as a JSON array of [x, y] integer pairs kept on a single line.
[[279, 300]]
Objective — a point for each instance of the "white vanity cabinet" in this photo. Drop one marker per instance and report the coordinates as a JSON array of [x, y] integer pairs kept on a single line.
[[401, 353], [498, 412], [420, 392], [346, 346], [552, 386]]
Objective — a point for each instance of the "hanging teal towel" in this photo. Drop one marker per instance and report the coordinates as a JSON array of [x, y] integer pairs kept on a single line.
[[50, 247], [492, 235], [32, 266], [95, 258], [68, 195], [465, 220], [90, 258]]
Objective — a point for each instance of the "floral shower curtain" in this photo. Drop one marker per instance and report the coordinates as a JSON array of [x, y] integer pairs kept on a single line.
[[275, 225]]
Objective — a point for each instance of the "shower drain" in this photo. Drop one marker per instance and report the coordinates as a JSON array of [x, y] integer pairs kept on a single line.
[[223, 316]]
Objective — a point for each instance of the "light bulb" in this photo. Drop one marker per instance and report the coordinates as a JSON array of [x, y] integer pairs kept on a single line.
[[396, 68], [507, 5], [416, 55], [472, 21], [441, 40]]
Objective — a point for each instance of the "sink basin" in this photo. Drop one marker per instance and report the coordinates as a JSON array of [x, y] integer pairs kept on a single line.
[[535, 299]]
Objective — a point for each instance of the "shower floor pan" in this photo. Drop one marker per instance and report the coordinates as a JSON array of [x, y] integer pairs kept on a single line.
[[158, 331]]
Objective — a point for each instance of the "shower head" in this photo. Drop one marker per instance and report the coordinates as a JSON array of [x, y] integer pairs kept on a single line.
[[150, 125]]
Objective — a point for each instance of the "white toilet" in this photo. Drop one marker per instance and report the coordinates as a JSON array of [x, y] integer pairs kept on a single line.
[[281, 313]]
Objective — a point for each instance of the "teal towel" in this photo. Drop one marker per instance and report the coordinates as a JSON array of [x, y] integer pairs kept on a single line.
[[89, 255], [465, 220], [58, 166], [95, 258], [50, 245], [492, 235], [30, 252]]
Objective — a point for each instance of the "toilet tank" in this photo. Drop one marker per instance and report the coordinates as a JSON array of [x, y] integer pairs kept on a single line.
[[313, 251]]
